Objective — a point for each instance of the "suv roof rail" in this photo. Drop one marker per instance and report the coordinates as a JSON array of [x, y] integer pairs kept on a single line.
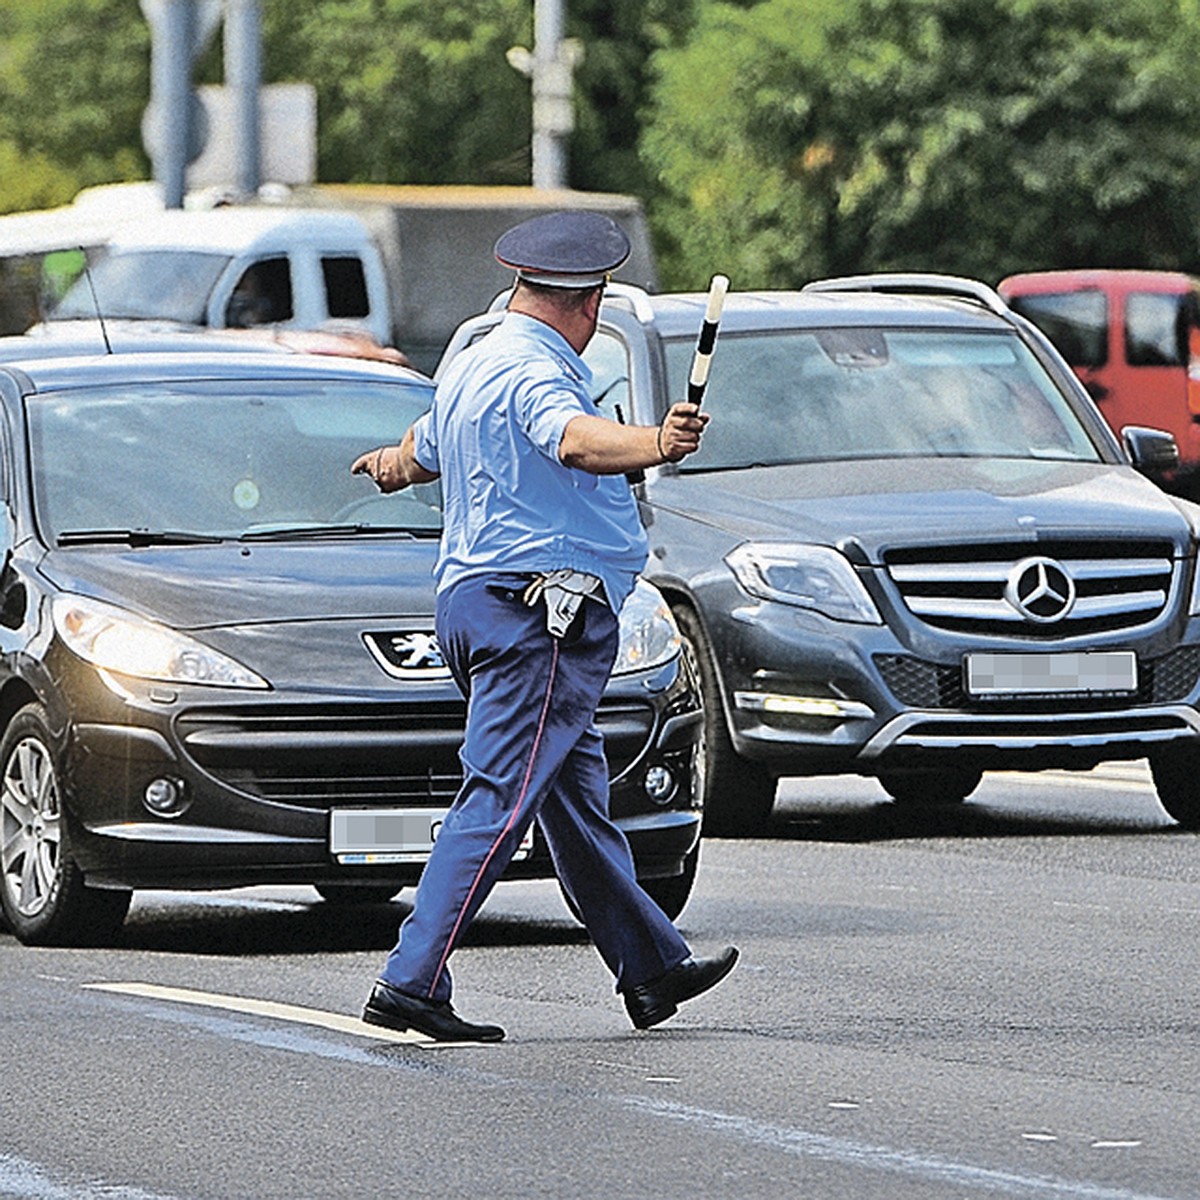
[[636, 297], [915, 283]]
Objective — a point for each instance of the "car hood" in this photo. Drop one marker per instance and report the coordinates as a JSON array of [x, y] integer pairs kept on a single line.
[[928, 501], [209, 587]]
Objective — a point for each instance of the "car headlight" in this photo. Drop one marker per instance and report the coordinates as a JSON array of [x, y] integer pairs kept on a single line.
[[649, 635], [113, 639], [815, 577]]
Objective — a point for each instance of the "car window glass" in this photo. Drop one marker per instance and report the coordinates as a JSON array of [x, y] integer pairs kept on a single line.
[[160, 285], [1076, 322], [608, 358], [262, 296], [220, 458], [1155, 329], [842, 394], [345, 286]]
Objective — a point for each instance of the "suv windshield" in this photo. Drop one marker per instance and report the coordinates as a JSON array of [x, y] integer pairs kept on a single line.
[[828, 394], [159, 285], [220, 459]]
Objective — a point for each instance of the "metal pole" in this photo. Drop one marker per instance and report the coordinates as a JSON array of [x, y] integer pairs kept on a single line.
[[551, 66], [549, 155], [170, 89], [243, 78]]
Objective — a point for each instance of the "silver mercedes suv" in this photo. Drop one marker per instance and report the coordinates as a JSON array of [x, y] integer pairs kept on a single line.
[[909, 547]]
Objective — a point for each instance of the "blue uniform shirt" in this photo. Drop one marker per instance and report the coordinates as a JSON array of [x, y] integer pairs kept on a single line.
[[493, 435]]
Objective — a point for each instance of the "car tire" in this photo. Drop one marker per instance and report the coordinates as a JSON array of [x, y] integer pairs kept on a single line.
[[736, 796], [940, 787], [671, 893], [42, 890], [1176, 775], [345, 894]]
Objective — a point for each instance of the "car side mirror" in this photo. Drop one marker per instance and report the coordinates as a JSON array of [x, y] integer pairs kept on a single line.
[[1150, 450]]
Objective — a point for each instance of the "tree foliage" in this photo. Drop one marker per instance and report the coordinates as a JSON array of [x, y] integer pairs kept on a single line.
[[797, 138], [409, 91], [74, 78]]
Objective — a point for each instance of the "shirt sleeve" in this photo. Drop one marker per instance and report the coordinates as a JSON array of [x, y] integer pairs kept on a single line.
[[425, 443], [546, 408]]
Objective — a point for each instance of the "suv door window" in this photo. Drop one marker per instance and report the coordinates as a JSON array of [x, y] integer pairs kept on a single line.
[[345, 286], [1076, 322], [608, 358], [1155, 329]]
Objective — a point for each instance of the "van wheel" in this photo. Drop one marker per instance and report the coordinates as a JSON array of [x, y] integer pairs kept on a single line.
[[737, 796], [42, 891], [1176, 775], [930, 788]]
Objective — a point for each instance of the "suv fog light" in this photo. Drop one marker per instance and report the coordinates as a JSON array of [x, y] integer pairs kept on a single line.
[[659, 784], [165, 797]]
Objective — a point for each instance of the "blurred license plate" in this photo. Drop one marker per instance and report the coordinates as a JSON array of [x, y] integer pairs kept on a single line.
[[391, 835], [1051, 674]]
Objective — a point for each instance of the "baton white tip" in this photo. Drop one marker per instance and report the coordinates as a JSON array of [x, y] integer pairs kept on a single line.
[[716, 297]]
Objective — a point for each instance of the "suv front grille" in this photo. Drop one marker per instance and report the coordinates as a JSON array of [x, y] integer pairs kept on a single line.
[[1093, 586], [920, 684]]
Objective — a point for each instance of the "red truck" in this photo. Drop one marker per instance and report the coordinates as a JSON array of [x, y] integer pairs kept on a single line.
[[1133, 338]]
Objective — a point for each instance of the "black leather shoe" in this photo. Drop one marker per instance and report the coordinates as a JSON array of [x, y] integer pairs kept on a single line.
[[397, 1010], [655, 1001]]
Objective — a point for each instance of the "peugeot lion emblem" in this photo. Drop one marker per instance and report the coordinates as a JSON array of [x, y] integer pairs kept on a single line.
[[414, 655], [1040, 590]]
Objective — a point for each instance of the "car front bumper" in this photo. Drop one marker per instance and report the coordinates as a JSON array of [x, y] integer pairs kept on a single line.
[[260, 775]]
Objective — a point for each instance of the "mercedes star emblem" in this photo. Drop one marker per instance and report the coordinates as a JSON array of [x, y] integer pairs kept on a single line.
[[1040, 590]]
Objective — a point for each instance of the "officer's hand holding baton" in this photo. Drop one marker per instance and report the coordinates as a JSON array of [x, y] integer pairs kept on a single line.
[[679, 434]]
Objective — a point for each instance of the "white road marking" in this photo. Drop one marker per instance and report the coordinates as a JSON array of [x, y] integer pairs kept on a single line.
[[337, 1022]]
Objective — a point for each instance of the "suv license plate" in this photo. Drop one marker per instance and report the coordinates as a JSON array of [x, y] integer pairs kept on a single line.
[[1063, 674], [368, 836]]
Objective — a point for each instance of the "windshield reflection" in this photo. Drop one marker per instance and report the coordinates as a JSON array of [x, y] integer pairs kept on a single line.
[[797, 397], [220, 459]]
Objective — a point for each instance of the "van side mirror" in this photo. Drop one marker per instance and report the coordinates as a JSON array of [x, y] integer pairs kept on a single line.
[[1150, 450]]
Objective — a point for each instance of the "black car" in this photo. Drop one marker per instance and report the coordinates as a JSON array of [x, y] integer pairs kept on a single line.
[[909, 546], [217, 661]]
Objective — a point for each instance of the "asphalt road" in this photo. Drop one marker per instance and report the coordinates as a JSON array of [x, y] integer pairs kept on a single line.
[[999, 1001]]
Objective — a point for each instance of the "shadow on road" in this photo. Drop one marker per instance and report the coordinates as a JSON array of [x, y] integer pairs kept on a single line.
[[886, 821], [191, 925]]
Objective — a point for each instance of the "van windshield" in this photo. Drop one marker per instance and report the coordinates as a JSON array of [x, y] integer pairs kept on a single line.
[[162, 285], [783, 397]]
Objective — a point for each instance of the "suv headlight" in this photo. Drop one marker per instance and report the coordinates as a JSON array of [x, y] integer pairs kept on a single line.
[[815, 577], [113, 639], [649, 635]]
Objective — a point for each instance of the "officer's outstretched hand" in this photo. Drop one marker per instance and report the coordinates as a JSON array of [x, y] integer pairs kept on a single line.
[[680, 432]]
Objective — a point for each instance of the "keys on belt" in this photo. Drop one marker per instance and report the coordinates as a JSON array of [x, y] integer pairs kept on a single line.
[[563, 592]]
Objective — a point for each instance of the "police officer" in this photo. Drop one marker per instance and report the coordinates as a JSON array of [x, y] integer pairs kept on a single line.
[[540, 547]]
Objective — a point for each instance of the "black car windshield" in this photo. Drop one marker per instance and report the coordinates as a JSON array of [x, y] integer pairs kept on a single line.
[[165, 463], [829, 394], [159, 285]]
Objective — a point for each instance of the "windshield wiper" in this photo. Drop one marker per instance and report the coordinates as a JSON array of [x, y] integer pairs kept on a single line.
[[298, 532], [136, 537]]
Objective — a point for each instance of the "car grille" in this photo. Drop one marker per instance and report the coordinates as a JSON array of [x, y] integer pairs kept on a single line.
[[920, 684], [317, 757], [1116, 585]]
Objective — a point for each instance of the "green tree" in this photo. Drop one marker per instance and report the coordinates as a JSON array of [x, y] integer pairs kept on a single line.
[[797, 138], [409, 91], [613, 85], [74, 78]]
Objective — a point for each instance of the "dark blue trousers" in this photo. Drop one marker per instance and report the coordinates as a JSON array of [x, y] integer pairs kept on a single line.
[[532, 751]]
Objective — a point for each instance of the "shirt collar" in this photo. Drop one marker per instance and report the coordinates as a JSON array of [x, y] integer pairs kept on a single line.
[[552, 342]]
